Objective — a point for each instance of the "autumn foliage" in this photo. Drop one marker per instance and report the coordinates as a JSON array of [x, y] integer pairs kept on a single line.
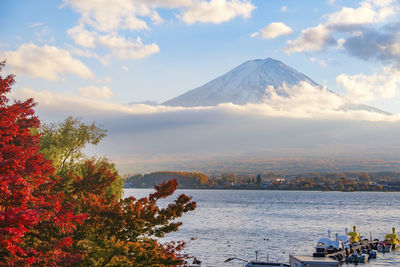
[[69, 211], [123, 232], [26, 199]]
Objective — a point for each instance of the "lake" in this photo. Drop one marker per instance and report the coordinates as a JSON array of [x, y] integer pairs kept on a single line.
[[228, 223]]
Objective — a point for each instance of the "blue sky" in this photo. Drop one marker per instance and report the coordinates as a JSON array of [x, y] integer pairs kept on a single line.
[[190, 53], [91, 58]]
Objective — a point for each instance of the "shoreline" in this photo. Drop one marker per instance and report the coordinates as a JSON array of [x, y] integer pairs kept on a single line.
[[260, 189]]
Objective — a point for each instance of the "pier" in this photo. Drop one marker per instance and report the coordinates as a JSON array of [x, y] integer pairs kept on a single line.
[[343, 255], [333, 259], [349, 248]]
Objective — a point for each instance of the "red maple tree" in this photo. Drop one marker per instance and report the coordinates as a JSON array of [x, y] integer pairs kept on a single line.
[[27, 203]]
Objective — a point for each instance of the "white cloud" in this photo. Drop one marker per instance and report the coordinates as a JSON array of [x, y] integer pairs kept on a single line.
[[121, 48], [84, 53], [83, 37], [311, 39], [340, 43], [304, 101], [108, 16], [284, 9], [368, 12], [127, 49], [347, 20], [216, 11], [94, 91], [47, 62], [274, 30], [363, 88], [68, 103], [111, 15]]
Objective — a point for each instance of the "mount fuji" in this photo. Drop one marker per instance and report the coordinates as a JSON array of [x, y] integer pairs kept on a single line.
[[244, 84], [247, 83]]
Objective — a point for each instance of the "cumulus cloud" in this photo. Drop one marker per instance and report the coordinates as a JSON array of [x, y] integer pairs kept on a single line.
[[47, 62], [94, 91], [109, 16], [284, 9], [347, 21], [311, 39], [273, 30], [83, 37], [362, 88], [215, 11], [127, 49], [368, 12], [121, 47]]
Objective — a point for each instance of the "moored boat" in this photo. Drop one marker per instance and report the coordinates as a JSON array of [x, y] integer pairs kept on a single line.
[[381, 246], [356, 258], [392, 239]]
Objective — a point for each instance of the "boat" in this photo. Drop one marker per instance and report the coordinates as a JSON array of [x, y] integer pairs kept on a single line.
[[345, 240], [381, 246], [356, 258], [392, 239], [327, 246], [371, 253], [388, 247], [320, 249]]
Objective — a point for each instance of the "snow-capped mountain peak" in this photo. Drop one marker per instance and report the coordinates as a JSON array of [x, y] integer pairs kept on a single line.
[[244, 84]]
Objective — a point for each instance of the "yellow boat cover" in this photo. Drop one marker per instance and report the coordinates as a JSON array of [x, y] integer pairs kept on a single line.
[[393, 238], [354, 237]]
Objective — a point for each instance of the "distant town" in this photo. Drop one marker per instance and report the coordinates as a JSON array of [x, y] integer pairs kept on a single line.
[[351, 181]]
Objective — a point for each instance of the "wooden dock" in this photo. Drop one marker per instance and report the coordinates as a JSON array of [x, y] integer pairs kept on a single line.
[[343, 255]]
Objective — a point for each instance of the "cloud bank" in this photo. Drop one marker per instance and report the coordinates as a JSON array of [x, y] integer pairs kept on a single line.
[[303, 101], [311, 123]]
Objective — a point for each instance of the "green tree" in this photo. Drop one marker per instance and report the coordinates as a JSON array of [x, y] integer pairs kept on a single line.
[[63, 142]]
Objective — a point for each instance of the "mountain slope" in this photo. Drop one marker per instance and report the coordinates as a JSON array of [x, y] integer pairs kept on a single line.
[[244, 84]]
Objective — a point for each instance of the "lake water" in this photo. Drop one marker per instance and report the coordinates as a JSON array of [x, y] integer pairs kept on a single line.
[[229, 223]]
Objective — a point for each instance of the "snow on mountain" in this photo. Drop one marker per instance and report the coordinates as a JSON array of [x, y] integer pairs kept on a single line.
[[251, 82], [244, 84]]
